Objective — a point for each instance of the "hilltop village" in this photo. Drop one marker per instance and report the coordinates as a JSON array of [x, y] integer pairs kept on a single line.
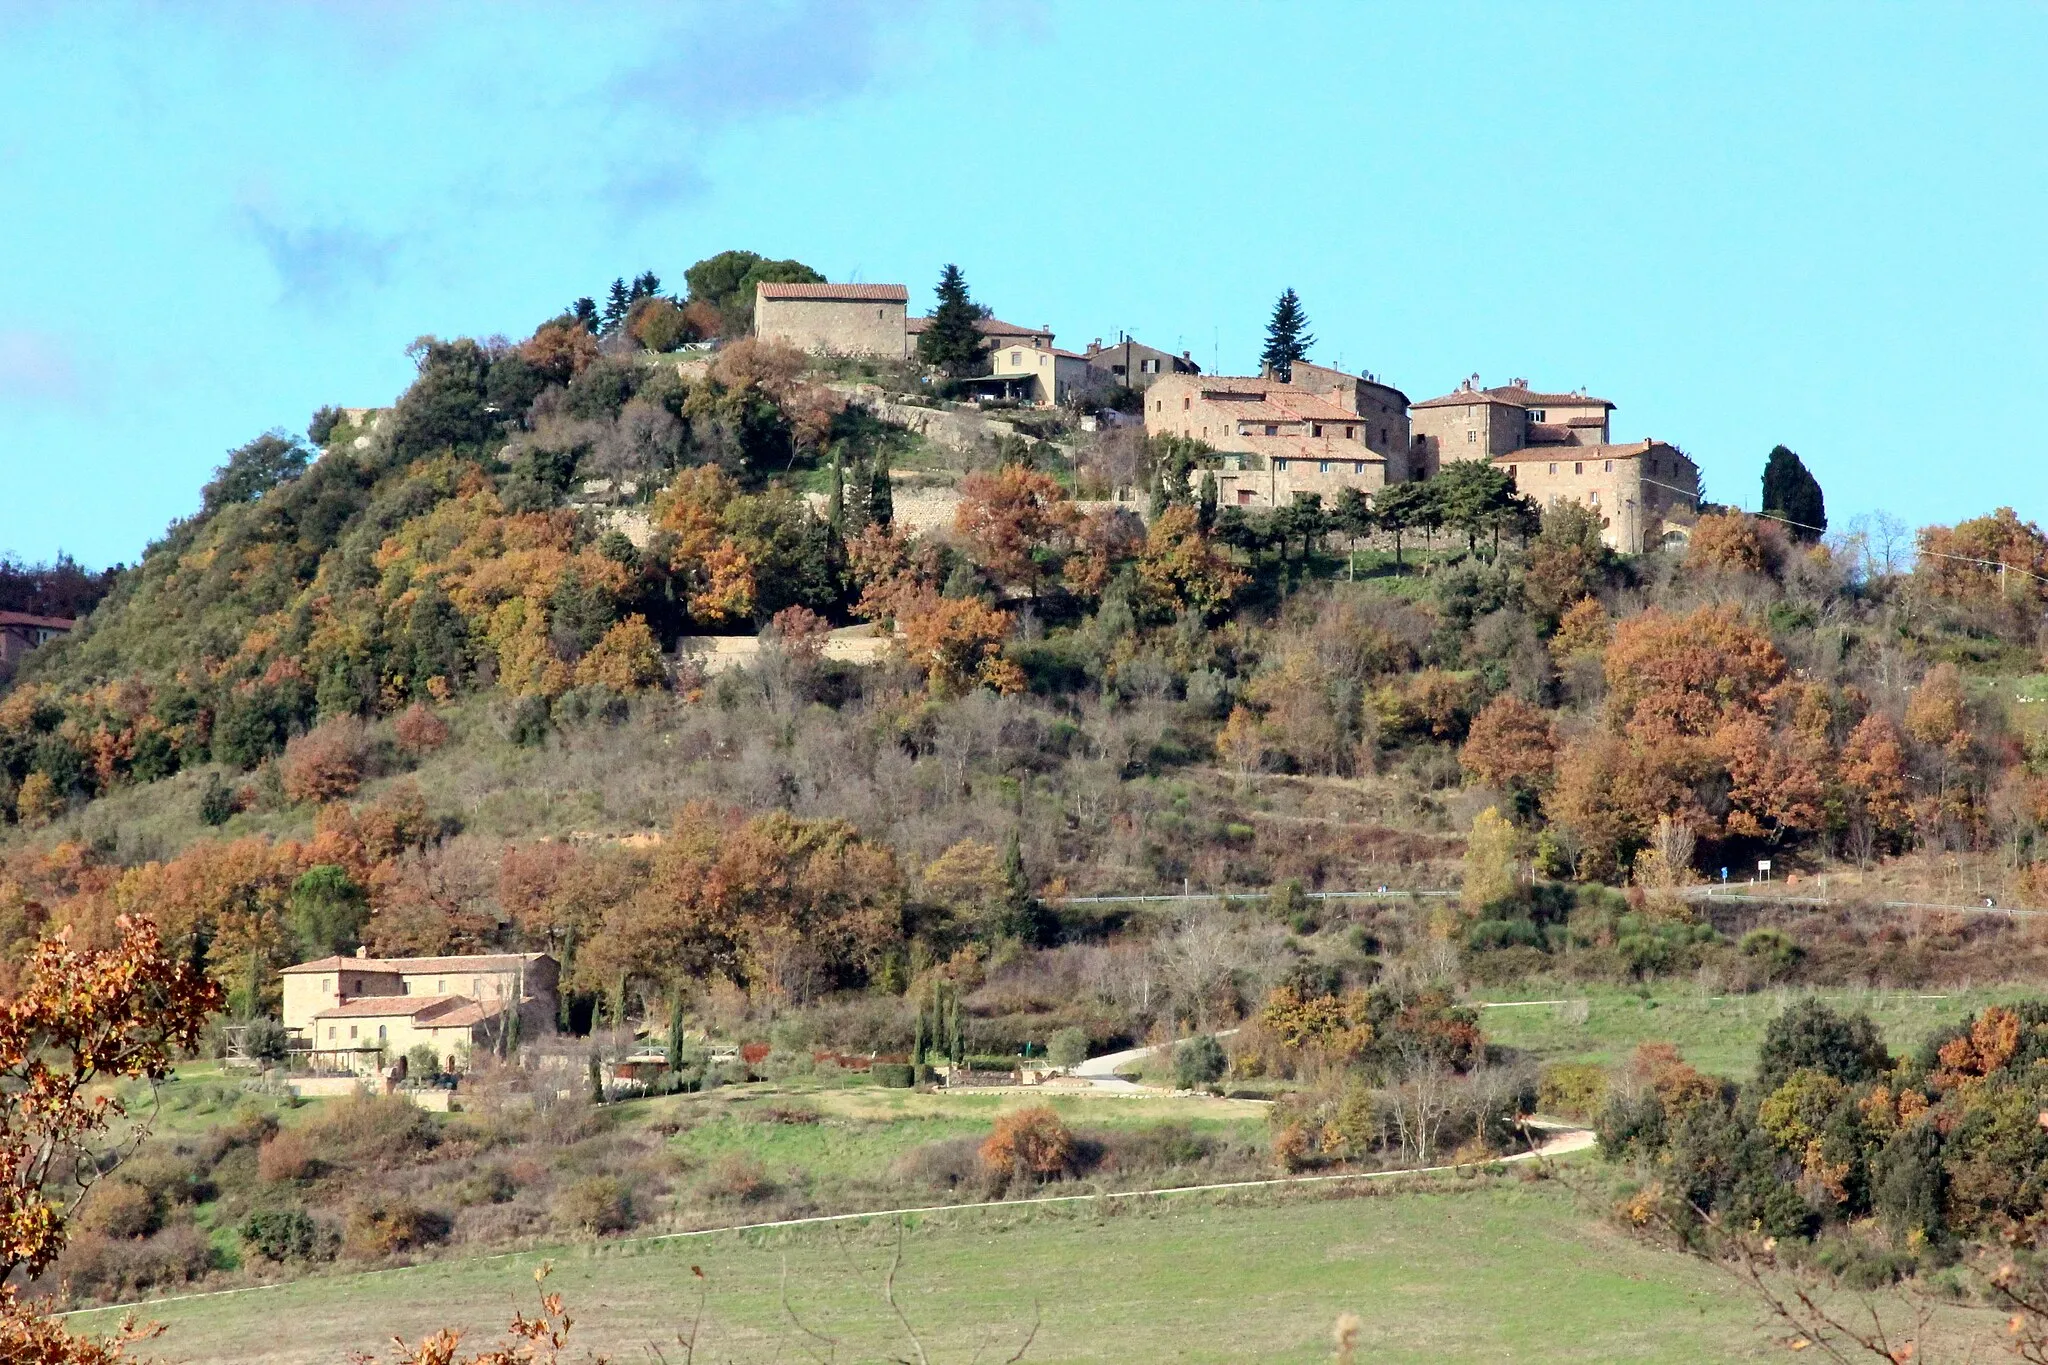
[[1297, 428]]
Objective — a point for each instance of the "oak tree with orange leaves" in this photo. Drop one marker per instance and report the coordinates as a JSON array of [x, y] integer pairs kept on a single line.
[[1017, 523], [80, 1017]]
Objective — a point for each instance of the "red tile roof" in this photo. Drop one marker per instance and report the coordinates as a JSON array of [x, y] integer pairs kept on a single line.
[[22, 618], [990, 327], [1625, 451], [838, 293], [476, 962], [468, 1014], [1514, 396], [389, 1006]]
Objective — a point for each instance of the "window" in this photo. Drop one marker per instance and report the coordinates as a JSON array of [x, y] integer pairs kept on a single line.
[[1578, 466], [1323, 467], [1609, 469], [1146, 367], [1535, 414], [441, 986], [330, 1033], [1244, 497], [1553, 467], [1358, 466], [476, 987], [1184, 404], [878, 315], [1594, 497], [405, 987], [1348, 431], [1315, 428], [351, 1033], [1471, 438], [1116, 369], [1272, 429], [381, 1035], [1280, 464]]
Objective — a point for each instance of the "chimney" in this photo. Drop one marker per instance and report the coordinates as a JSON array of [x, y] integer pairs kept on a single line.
[[363, 951]]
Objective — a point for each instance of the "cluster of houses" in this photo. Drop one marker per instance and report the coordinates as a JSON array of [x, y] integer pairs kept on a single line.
[[1316, 431]]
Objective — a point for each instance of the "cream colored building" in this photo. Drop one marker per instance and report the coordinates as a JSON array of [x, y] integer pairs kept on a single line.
[[1277, 441], [1646, 492], [1053, 375], [834, 319], [348, 1009]]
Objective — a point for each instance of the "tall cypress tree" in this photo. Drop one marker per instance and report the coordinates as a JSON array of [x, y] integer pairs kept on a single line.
[[881, 498], [1791, 492], [1287, 338], [952, 341]]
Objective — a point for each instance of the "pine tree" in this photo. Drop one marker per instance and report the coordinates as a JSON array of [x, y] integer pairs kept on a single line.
[[1205, 510], [952, 341], [1791, 492], [1287, 338], [584, 311], [617, 301], [645, 286]]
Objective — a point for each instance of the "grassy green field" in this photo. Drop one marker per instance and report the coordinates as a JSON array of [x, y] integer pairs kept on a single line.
[[1715, 1033], [1497, 1271]]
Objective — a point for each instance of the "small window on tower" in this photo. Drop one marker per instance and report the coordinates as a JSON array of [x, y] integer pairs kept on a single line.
[[1609, 469], [1471, 438]]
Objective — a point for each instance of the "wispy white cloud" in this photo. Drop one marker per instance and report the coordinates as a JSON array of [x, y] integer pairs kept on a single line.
[[762, 59], [38, 367]]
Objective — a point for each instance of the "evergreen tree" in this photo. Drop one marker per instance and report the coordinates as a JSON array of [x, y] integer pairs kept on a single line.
[[645, 286], [1791, 492], [1287, 338], [1205, 509], [835, 514], [881, 500], [617, 301], [952, 341], [584, 311]]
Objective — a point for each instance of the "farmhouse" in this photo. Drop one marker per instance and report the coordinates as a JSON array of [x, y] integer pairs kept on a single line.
[[1043, 374], [834, 319], [1474, 423], [1645, 491], [21, 633], [347, 1011]]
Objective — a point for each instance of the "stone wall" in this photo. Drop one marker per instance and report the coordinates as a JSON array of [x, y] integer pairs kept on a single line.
[[833, 326]]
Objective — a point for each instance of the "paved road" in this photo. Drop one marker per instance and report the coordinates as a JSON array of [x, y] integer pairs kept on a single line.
[[1101, 1071]]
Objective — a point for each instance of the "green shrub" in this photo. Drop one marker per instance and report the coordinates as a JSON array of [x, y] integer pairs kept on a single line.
[[1067, 1047], [1198, 1062], [1772, 950], [1572, 1090], [280, 1234], [899, 1075]]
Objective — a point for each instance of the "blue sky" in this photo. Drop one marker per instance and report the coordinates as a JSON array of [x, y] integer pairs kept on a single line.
[[1815, 224]]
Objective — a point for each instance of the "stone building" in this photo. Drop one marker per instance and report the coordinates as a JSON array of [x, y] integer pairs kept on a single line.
[[1646, 492], [346, 1010], [1277, 441], [834, 319], [1381, 407], [1474, 423], [1132, 363]]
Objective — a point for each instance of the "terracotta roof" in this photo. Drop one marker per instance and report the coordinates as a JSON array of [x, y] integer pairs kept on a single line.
[[1289, 403], [22, 618], [1514, 396], [1628, 450], [1306, 447], [992, 327], [467, 1014], [1527, 397], [1549, 433], [477, 962], [1586, 421], [850, 293], [390, 1006]]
